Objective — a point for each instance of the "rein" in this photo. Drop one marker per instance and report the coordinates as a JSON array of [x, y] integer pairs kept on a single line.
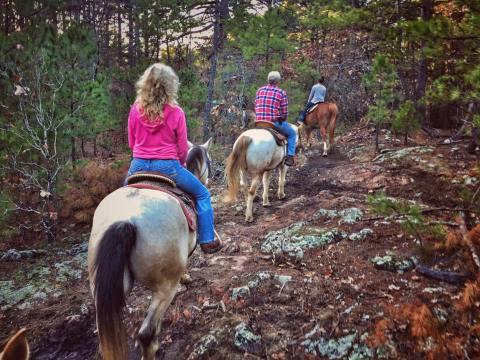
[[208, 167]]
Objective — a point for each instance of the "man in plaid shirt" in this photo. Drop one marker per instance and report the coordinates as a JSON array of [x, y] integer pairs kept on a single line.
[[271, 104]]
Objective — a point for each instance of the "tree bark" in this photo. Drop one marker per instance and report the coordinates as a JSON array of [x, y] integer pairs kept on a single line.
[[221, 15], [427, 12]]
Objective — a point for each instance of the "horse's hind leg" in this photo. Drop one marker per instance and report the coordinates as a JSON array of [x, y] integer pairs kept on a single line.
[[281, 181], [250, 196], [267, 175], [150, 329], [323, 131]]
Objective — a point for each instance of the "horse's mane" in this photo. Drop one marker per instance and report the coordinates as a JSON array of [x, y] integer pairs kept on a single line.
[[194, 159]]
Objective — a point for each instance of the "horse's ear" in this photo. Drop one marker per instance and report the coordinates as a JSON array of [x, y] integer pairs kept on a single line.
[[190, 145], [206, 145], [17, 347]]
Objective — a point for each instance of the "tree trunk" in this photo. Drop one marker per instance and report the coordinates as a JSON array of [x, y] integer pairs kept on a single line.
[[221, 15], [119, 34], [131, 31], [7, 14], [427, 12]]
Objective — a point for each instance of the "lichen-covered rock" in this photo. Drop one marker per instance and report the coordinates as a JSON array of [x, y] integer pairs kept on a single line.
[[240, 292], [258, 278], [398, 155], [66, 271], [22, 297], [348, 215], [361, 235], [246, 340], [15, 255], [204, 346], [360, 352], [390, 263], [298, 237], [331, 348], [283, 278]]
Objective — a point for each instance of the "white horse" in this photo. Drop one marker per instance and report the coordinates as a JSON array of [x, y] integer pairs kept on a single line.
[[141, 235], [257, 153]]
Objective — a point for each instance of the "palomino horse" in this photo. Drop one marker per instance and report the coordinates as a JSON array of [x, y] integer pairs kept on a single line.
[[257, 153], [323, 117], [17, 347], [141, 235]]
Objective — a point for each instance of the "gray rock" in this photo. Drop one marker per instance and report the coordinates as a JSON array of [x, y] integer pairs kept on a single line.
[[361, 235], [331, 348], [293, 240], [348, 215], [246, 340], [204, 346], [15, 255], [390, 263], [238, 292]]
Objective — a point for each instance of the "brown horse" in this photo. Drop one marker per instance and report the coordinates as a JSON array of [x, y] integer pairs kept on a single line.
[[324, 118]]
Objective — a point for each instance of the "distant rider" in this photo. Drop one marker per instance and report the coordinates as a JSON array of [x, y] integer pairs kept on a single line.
[[271, 104], [317, 95]]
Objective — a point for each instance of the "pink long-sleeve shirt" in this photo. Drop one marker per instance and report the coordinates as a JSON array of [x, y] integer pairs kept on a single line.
[[158, 140]]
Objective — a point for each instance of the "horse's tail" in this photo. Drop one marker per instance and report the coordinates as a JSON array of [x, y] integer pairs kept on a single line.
[[109, 267], [333, 115], [236, 161]]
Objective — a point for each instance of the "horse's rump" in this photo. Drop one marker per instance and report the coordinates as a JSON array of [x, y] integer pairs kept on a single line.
[[323, 115]]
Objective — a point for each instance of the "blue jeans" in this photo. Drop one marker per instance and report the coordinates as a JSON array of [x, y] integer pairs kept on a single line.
[[304, 112], [287, 129], [188, 182]]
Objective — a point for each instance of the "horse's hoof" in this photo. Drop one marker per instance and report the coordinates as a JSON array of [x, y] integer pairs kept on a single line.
[[281, 196], [267, 204], [324, 155], [249, 219], [185, 279]]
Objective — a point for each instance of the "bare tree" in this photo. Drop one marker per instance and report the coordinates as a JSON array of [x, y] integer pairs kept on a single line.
[[38, 162]]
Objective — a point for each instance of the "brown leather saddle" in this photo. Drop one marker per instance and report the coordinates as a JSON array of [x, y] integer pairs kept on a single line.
[[157, 181], [277, 135]]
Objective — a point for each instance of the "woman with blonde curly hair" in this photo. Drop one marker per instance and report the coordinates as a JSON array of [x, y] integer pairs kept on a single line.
[[157, 135]]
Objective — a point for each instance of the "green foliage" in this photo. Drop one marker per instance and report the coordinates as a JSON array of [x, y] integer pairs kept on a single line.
[[382, 83], [406, 119], [192, 96], [264, 36], [411, 218]]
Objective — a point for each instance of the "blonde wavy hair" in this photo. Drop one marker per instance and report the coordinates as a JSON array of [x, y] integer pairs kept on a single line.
[[156, 87]]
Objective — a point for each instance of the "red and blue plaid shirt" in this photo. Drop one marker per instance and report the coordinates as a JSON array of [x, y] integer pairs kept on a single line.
[[271, 104]]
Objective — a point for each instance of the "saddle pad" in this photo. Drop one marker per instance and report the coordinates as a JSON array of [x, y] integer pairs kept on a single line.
[[186, 202]]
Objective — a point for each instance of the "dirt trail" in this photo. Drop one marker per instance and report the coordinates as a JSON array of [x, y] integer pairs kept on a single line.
[[244, 302]]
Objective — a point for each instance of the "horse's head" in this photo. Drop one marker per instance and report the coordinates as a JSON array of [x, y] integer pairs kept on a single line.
[[199, 162]]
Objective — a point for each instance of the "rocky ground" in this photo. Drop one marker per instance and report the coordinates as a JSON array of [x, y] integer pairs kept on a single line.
[[317, 275]]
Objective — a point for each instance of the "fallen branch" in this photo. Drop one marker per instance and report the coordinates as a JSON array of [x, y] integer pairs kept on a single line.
[[445, 276], [467, 240]]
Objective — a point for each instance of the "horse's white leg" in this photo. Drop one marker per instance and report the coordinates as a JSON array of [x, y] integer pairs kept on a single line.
[[151, 326], [281, 181], [250, 196], [243, 180], [267, 175], [323, 131]]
